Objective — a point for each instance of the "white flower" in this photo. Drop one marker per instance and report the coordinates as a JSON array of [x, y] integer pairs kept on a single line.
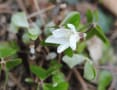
[[65, 37]]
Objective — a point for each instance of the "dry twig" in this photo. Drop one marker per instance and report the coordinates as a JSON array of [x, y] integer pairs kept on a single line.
[[79, 78]]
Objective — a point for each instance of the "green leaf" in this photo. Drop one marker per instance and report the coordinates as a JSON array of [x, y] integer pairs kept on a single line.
[[47, 86], [13, 45], [5, 52], [6, 49], [89, 16], [32, 37], [81, 46], [72, 18], [95, 16], [54, 67], [60, 86], [19, 19], [58, 78], [102, 88], [98, 32], [89, 71], [76, 59], [82, 27], [91, 33], [42, 73], [101, 35], [34, 32], [13, 63], [38, 71], [105, 78], [69, 52]]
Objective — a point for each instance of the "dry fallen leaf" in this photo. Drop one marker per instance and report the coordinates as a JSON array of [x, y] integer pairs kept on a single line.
[[95, 48]]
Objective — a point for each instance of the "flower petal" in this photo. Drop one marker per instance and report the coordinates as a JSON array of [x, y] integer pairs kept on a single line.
[[60, 32], [52, 39], [72, 27], [73, 41], [62, 47]]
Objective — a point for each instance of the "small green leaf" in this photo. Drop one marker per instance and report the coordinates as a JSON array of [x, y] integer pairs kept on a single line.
[[19, 19], [69, 52], [91, 33], [92, 16], [82, 27], [89, 16], [95, 16], [59, 83], [38, 71], [5, 52], [98, 32], [54, 67], [105, 79], [13, 63], [32, 37], [6, 49], [81, 46], [102, 88], [42, 73], [58, 78], [76, 59], [47, 86], [34, 32], [60, 86], [89, 71], [72, 18]]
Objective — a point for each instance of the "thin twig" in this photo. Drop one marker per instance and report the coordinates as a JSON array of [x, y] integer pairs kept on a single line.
[[21, 5], [6, 4], [69, 75], [59, 58], [38, 9], [17, 82], [79, 77], [6, 11], [4, 8], [40, 12]]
